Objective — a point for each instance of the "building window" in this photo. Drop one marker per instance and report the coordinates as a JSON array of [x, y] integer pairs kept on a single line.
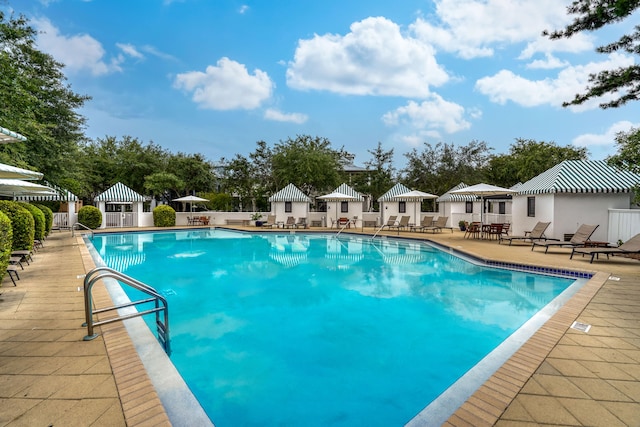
[[344, 207], [468, 207], [531, 206], [502, 208], [402, 207], [287, 207]]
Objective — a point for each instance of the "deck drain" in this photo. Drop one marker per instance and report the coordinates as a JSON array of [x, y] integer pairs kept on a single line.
[[581, 326]]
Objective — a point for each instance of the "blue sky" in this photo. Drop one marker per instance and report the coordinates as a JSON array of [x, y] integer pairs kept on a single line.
[[215, 77]]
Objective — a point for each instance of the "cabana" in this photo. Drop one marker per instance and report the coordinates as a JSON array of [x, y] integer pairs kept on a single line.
[[344, 203], [129, 206], [575, 192], [290, 201]]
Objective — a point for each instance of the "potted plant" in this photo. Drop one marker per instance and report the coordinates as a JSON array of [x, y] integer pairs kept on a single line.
[[462, 224], [256, 217]]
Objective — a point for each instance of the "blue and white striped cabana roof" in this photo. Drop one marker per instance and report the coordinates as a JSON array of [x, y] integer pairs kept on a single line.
[[119, 193], [396, 190], [581, 176], [290, 193], [453, 197], [7, 136], [345, 189]]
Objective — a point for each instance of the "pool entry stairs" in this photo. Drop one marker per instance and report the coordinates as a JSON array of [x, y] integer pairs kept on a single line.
[[159, 305]]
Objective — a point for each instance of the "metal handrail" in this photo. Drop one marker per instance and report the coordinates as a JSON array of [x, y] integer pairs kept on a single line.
[[160, 304], [73, 229]]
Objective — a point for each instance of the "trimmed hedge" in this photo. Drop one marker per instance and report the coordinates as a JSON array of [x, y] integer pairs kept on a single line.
[[39, 220], [22, 223], [48, 216], [6, 241], [164, 216], [90, 216]]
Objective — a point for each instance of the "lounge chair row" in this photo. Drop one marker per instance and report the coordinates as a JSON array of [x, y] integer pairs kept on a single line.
[[427, 224], [579, 243], [290, 223]]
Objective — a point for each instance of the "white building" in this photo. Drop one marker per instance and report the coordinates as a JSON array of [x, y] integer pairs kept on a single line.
[[572, 193]]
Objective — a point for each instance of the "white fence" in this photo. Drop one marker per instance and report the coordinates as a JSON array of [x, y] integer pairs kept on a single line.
[[623, 224]]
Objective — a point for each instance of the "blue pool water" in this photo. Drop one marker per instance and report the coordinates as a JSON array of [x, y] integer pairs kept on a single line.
[[314, 330]]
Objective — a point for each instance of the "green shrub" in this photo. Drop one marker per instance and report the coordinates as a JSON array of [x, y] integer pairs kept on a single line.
[[39, 220], [22, 223], [6, 241], [164, 216], [90, 216], [48, 216]]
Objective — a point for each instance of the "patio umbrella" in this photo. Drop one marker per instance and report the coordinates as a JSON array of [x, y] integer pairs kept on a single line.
[[415, 196], [337, 197], [190, 199], [482, 190]]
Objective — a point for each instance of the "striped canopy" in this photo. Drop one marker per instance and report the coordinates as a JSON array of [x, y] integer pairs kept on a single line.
[[119, 193], [12, 172], [290, 193], [581, 176], [7, 136]]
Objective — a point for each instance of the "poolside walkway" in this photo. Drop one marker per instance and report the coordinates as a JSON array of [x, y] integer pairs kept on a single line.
[[49, 376]]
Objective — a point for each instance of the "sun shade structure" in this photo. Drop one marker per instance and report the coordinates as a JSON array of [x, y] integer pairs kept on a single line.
[[7, 136], [60, 195], [12, 172], [17, 187], [482, 190], [415, 196], [191, 200]]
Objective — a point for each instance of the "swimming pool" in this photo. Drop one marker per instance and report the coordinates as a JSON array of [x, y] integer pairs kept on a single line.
[[341, 331]]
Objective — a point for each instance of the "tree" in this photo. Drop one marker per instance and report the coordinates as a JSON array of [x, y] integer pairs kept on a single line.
[[622, 83], [439, 168], [37, 103], [381, 175], [628, 155], [163, 184], [528, 158], [307, 162], [240, 181]]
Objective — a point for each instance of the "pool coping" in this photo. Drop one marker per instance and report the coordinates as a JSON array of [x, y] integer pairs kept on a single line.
[[484, 406]]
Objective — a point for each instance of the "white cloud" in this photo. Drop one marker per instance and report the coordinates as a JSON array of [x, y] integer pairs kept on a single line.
[[607, 138], [278, 116], [226, 86], [471, 28], [432, 115], [506, 86], [578, 43], [550, 62], [243, 9], [130, 50], [375, 58], [78, 53]]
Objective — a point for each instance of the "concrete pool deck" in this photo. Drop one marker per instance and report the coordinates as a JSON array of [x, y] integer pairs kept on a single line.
[[561, 376]]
